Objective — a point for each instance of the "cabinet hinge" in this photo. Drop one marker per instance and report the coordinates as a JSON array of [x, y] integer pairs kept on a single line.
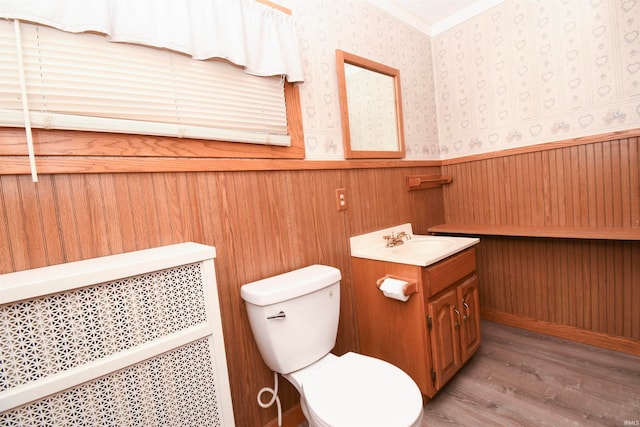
[[429, 322], [433, 376]]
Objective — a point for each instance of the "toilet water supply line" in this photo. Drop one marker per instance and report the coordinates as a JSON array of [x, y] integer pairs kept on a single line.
[[274, 397]]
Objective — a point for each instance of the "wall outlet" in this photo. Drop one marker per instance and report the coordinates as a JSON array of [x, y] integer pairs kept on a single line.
[[341, 199]]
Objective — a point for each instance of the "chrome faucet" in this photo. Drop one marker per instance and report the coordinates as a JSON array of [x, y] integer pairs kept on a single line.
[[394, 239]]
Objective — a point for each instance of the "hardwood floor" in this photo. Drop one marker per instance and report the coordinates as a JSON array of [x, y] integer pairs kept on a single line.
[[520, 378]]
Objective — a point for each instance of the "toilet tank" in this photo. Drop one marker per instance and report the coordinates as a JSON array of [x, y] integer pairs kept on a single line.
[[294, 316]]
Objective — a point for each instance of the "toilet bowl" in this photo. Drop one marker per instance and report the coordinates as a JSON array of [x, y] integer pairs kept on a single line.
[[356, 390], [294, 320]]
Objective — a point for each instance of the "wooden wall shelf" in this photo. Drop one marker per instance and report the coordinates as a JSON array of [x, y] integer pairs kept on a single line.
[[423, 182], [599, 233]]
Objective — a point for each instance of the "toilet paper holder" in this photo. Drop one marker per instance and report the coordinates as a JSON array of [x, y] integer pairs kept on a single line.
[[409, 289]]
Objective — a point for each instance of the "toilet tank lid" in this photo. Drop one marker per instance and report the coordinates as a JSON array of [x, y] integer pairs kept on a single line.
[[280, 288]]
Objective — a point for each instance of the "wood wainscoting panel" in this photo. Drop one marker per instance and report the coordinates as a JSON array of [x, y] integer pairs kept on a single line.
[[590, 284], [262, 223], [593, 185], [379, 199]]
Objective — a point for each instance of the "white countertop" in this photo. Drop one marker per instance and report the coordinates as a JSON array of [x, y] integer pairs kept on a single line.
[[421, 250]]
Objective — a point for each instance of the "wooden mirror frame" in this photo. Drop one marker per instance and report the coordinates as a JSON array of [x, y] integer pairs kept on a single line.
[[397, 151]]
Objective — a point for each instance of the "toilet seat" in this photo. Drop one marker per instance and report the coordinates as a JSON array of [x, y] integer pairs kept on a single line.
[[359, 390]]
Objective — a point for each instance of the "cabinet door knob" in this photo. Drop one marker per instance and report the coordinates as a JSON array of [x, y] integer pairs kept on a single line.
[[466, 309]]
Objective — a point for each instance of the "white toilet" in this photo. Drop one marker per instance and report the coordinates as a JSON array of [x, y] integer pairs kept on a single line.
[[294, 319]]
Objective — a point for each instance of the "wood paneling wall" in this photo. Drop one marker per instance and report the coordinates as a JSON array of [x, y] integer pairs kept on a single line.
[[592, 285], [578, 288], [265, 222], [261, 222], [590, 185]]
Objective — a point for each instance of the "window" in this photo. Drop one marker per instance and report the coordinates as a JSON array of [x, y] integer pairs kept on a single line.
[[83, 82]]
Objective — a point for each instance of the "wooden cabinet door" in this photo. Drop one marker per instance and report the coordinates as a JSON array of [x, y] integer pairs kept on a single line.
[[445, 339], [469, 307]]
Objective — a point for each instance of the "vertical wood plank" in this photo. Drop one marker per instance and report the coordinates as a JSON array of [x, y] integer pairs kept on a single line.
[[618, 170], [147, 213], [591, 193], [163, 200], [84, 224], [32, 225], [546, 192], [608, 288], [583, 189], [506, 206], [111, 212], [13, 225], [634, 182], [608, 201], [48, 215], [67, 210], [490, 191], [592, 286], [95, 200], [562, 285], [520, 187], [618, 315], [447, 192], [599, 278], [7, 198], [557, 201], [536, 192], [599, 174], [576, 187], [635, 291], [125, 209], [527, 191], [538, 283], [139, 211], [578, 285], [565, 203], [625, 183]]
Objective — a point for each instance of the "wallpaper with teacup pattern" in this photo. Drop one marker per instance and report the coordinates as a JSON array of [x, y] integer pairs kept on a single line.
[[521, 73]]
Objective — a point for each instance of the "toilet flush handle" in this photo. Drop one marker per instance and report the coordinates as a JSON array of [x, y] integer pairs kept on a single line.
[[278, 316]]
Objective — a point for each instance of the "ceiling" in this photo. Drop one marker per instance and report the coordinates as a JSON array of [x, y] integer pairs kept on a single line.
[[434, 16]]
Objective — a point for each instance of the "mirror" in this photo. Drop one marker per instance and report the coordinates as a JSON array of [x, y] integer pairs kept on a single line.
[[371, 108]]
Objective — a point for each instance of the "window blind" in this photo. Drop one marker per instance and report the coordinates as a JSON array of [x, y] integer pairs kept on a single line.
[[83, 82]]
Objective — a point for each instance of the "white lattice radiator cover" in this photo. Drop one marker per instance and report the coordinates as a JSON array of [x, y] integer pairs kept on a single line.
[[126, 340]]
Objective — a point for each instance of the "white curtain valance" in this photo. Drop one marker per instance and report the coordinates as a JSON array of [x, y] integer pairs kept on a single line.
[[255, 36]]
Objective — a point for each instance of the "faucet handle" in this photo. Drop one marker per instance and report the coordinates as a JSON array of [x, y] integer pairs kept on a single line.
[[390, 238]]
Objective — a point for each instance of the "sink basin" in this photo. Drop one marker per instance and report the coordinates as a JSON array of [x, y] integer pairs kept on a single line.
[[419, 250], [423, 245]]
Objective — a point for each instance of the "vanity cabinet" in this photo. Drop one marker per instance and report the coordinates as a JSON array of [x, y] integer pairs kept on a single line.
[[433, 334], [454, 327]]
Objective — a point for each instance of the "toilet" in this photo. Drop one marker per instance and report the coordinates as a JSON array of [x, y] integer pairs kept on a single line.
[[294, 320]]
